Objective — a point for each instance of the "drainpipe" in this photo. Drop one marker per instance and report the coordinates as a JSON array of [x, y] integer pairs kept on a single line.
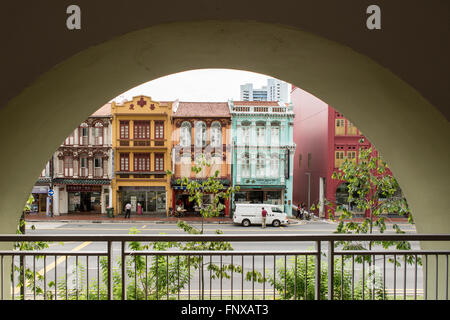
[[309, 189]]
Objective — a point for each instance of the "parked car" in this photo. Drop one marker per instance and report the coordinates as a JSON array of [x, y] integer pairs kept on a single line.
[[247, 214]]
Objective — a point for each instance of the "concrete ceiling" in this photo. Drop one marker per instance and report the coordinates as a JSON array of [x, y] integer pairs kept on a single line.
[[413, 42]]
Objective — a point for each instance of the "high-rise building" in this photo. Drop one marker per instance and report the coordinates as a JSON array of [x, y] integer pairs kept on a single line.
[[276, 90]]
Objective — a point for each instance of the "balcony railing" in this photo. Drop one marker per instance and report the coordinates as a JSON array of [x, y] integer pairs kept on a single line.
[[323, 272], [142, 142]]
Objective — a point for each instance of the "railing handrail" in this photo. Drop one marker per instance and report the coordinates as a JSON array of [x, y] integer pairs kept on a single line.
[[225, 237]]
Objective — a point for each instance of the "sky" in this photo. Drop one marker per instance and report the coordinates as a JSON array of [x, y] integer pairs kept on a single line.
[[198, 85]]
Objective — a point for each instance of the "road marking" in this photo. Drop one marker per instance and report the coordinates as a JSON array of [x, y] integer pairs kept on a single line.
[[52, 265]]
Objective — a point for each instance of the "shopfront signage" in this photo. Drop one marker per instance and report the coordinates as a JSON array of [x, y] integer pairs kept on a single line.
[[84, 188]]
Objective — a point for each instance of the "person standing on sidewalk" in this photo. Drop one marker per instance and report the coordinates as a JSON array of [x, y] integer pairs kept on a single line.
[[127, 210], [263, 214]]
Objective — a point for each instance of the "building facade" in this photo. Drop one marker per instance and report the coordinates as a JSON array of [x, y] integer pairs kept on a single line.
[[201, 130], [141, 140], [324, 139], [262, 152], [79, 171]]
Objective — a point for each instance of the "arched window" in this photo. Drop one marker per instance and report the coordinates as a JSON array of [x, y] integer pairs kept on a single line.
[[260, 165], [274, 165], [185, 134], [245, 168], [98, 133], [260, 133], [275, 134], [216, 134], [245, 137], [200, 134], [84, 134]]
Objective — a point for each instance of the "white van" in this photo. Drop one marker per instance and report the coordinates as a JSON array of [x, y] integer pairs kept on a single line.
[[247, 214]]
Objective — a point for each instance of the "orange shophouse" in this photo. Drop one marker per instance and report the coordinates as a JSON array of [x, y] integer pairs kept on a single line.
[[200, 130], [141, 148]]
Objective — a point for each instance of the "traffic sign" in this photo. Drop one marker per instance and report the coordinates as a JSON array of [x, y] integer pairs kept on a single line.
[[51, 192]]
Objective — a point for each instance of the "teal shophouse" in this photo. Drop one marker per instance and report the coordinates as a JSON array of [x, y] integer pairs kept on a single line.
[[262, 152]]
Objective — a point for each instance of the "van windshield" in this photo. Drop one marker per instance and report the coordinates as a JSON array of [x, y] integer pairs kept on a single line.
[[278, 210]]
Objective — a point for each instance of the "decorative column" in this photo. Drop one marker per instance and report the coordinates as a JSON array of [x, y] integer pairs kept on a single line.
[[105, 167]]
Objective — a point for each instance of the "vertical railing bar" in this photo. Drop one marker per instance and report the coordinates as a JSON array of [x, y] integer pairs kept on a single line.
[[146, 277], [232, 275], [98, 277], [295, 278], [274, 275], [384, 277], [210, 278], [178, 274], [342, 277], [109, 271], [45, 277], [167, 276], [3, 298], [34, 277], [242, 278], [253, 277], [330, 270], [306, 277], [135, 277], [437, 276], [221, 271], [318, 269], [363, 278], [67, 287], [200, 271], [189, 278], [446, 279], [404, 279], [353, 277], [87, 277], [22, 275], [264, 277], [12, 271], [157, 277], [395, 277], [415, 277], [426, 278], [56, 279], [373, 276], [285, 276], [123, 260]]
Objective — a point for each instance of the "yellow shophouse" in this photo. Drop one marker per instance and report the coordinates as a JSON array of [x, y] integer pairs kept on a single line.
[[141, 141]]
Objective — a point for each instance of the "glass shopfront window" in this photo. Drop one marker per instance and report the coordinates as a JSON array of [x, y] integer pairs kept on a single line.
[[84, 201], [152, 201]]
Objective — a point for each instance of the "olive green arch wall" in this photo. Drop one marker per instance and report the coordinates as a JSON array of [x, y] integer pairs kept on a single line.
[[409, 132]]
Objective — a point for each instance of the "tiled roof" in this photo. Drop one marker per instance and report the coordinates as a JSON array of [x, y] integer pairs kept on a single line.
[[202, 109], [104, 111]]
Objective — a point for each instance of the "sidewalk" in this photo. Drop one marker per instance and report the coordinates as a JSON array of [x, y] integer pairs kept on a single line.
[[33, 217]]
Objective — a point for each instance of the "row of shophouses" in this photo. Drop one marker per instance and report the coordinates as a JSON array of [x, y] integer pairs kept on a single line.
[[122, 154], [277, 153]]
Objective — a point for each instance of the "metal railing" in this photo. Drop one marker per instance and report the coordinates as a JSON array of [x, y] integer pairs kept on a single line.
[[164, 271]]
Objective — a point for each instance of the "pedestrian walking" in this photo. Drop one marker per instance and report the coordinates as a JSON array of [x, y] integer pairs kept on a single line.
[[127, 210], [263, 214]]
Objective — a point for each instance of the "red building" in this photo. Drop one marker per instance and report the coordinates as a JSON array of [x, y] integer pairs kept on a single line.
[[324, 138]]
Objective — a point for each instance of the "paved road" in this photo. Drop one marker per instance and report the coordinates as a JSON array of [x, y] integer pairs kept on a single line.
[[258, 263]]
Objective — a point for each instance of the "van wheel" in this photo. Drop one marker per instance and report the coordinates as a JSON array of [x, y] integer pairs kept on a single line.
[[246, 223], [276, 223]]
